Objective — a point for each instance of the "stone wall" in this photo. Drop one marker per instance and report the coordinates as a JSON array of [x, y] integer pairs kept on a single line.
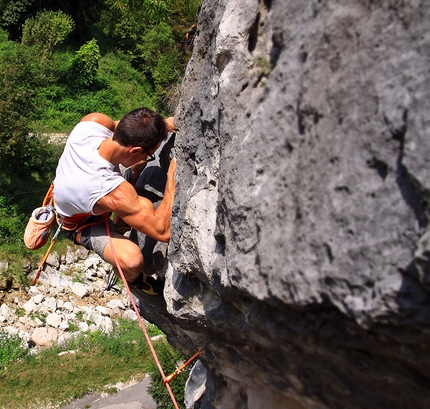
[[300, 247]]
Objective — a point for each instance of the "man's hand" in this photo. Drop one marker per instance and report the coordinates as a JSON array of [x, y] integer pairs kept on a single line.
[[172, 170], [170, 124]]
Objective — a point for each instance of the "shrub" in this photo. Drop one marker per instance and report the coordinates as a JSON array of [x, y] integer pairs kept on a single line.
[[170, 359], [86, 63], [47, 30], [11, 226], [11, 348]]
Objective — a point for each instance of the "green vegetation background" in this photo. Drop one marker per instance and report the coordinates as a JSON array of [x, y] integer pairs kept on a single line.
[[89, 363], [60, 61]]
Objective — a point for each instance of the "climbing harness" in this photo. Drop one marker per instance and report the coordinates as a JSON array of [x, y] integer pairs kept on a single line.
[[166, 380], [34, 234]]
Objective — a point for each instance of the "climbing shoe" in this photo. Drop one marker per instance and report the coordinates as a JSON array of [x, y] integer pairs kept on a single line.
[[149, 284]]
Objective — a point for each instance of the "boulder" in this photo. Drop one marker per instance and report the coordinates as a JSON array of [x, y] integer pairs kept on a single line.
[[44, 336]]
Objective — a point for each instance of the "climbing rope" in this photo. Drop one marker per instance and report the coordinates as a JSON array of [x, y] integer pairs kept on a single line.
[[166, 380]]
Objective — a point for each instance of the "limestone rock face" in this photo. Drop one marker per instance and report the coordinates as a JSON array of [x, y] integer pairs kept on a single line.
[[300, 250]]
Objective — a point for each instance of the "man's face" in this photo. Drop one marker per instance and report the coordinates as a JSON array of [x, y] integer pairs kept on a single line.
[[145, 155]]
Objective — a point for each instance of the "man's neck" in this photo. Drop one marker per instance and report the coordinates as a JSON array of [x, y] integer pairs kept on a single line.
[[111, 151]]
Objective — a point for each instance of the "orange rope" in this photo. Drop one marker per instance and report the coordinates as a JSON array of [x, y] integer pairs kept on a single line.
[[142, 325]]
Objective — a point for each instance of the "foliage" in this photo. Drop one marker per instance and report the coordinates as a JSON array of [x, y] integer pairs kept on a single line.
[[127, 20], [10, 222], [86, 63], [14, 13], [47, 30], [170, 359], [11, 348], [23, 189], [20, 76], [146, 11], [101, 359], [158, 58], [117, 89], [183, 14], [157, 41]]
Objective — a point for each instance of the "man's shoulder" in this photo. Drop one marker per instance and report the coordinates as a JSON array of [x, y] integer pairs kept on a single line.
[[100, 119]]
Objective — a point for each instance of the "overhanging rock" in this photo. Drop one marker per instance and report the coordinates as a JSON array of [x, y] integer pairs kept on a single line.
[[300, 252]]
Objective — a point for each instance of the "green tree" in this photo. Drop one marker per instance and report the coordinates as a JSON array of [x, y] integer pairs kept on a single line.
[[13, 14], [146, 11], [129, 19], [47, 30], [157, 56], [19, 77], [183, 14], [86, 63]]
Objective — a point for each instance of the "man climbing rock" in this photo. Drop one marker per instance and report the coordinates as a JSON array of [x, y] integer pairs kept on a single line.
[[88, 187]]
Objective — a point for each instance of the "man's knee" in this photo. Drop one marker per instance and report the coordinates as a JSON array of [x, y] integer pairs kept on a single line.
[[129, 257], [133, 263]]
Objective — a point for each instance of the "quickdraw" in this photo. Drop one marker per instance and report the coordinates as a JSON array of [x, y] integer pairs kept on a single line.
[[182, 367]]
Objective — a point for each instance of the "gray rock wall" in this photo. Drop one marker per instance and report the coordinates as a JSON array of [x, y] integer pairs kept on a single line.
[[300, 244]]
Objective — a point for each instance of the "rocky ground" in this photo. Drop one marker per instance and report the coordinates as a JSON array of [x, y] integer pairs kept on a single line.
[[69, 298]]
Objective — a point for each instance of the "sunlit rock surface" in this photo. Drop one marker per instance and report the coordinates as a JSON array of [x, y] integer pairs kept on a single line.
[[300, 242]]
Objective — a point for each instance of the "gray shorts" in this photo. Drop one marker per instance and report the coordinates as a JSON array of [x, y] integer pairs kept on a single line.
[[93, 238]]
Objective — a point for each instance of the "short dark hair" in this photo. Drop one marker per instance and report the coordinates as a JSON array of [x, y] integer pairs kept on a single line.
[[141, 127]]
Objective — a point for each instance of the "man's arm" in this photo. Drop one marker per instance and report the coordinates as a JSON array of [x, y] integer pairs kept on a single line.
[[101, 119], [139, 212]]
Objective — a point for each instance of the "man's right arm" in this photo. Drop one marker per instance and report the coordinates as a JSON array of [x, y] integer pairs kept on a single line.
[[101, 119]]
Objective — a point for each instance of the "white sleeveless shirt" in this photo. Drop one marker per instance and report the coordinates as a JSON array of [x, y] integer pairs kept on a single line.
[[83, 176]]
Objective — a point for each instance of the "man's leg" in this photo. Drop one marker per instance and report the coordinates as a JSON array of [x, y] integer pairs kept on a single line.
[[128, 255], [131, 262]]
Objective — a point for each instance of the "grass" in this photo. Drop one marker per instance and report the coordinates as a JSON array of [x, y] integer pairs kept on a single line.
[[100, 361]]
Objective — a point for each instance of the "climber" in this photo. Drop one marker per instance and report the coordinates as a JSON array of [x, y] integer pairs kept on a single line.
[[188, 40], [189, 36], [88, 187]]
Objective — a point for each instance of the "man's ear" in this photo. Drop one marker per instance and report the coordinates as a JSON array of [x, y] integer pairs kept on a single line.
[[135, 150]]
